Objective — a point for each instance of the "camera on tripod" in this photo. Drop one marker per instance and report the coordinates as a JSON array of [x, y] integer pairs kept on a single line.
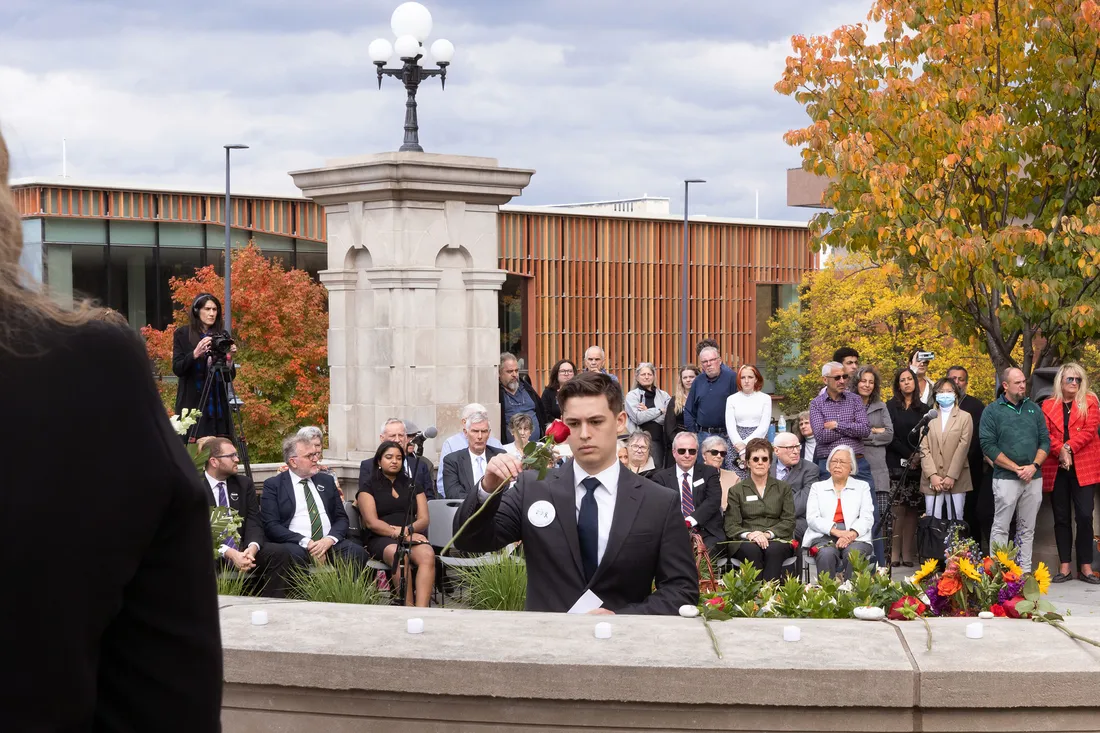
[[220, 344]]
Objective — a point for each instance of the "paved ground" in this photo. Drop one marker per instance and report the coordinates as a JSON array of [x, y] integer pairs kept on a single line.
[[1079, 599]]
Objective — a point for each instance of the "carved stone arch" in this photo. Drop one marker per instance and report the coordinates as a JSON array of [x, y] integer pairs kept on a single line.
[[358, 258]]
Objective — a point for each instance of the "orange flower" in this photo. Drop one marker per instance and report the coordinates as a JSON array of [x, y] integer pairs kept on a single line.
[[1010, 577], [949, 585], [987, 564]]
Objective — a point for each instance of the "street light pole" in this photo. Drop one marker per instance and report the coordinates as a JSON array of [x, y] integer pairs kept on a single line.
[[226, 304], [684, 279]]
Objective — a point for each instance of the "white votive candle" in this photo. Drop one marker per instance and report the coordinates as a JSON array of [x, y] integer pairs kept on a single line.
[[791, 633], [603, 630], [974, 630], [259, 618], [415, 626]]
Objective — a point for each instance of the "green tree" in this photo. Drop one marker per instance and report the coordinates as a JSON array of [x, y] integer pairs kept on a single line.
[[964, 147], [852, 303]]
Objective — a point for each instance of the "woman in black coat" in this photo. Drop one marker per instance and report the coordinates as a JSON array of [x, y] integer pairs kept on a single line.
[[560, 373], [192, 361], [906, 411], [118, 632]]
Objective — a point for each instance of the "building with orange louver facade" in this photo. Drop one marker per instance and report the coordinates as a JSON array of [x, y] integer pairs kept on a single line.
[[579, 275]]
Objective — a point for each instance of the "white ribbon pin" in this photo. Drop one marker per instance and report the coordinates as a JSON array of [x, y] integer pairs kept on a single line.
[[541, 513]]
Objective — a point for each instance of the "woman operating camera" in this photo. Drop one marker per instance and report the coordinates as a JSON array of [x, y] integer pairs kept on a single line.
[[196, 348]]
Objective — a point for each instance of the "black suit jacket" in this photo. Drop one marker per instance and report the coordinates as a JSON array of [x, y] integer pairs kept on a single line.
[[648, 544], [800, 477], [458, 474], [706, 494], [277, 507], [241, 493], [423, 477], [131, 631]]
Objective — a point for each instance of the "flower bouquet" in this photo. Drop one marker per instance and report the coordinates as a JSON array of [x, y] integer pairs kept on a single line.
[[537, 456]]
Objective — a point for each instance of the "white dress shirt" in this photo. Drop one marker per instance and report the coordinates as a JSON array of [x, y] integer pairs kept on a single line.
[[605, 500], [680, 473], [454, 443], [217, 498], [477, 465], [299, 523]]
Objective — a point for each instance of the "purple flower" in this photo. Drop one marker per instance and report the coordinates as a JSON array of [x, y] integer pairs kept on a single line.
[[1010, 591], [936, 603]]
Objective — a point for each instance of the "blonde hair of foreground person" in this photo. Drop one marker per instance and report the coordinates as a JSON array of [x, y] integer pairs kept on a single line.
[[21, 305]]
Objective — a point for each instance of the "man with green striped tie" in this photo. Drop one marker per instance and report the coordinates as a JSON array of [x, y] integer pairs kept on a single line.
[[302, 513]]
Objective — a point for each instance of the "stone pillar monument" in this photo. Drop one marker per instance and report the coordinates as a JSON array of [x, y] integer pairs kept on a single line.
[[412, 279]]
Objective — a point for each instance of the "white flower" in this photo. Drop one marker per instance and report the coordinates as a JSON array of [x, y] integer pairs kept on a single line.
[[182, 423], [845, 586]]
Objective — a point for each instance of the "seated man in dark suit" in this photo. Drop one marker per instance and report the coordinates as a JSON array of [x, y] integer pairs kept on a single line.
[[700, 491], [590, 525], [463, 469], [798, 473], [394, 430], [303, 515], [247, 552]]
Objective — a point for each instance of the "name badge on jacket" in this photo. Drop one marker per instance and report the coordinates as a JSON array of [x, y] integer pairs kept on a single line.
[[541, 513], [698, 482], [752, 498]]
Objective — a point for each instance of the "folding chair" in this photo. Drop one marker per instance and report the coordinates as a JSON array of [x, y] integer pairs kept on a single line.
[[441, 515]]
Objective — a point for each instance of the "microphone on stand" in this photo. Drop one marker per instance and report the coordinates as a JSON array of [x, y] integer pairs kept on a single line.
[[928, 417], [426, 434]]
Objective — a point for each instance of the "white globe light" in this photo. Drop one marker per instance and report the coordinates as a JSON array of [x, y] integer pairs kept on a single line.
[[406, 47], [411, 19], [380, 50], [443, 51]]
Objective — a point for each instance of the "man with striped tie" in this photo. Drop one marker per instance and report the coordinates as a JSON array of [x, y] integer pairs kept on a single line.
[[302, 513], [700, 490]]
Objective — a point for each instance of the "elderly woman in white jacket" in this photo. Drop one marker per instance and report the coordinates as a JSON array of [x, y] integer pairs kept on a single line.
[[839, 515], [645, 410]]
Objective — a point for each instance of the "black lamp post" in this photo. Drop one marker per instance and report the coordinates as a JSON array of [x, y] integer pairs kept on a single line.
[[411, 23]]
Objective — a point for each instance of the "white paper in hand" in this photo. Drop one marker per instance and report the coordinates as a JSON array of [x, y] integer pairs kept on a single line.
[[587, 602]]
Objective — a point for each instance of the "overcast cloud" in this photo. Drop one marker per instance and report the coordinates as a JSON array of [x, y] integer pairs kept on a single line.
[[603, 98]]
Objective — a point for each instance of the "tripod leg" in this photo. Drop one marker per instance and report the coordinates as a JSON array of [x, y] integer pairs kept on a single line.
[[410, 599]]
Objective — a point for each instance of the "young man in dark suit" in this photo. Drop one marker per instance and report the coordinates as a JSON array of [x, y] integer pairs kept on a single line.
[[464, 468], [590, 525], [700, 490], [394, 429], [302, 513], [247, 551]]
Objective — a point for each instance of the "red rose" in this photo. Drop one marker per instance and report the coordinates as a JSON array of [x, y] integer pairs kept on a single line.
[[687, 523], [1010, 607], [913, 603], [794, 544], [813, 551], [558, 431], [717, 603], [998, 610]]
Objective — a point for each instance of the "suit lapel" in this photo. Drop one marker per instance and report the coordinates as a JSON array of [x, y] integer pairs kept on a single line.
[[564, 496], [465, 466], [627, 502]]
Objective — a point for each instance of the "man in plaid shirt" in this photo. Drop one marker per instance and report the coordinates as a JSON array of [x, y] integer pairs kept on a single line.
[[838, 417]]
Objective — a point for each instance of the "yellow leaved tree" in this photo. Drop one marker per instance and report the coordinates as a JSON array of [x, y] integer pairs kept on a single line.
[[964, 149], [853, 303]]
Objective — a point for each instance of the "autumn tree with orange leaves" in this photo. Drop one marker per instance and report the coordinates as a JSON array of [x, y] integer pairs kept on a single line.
[[964, 148], [280, 324]]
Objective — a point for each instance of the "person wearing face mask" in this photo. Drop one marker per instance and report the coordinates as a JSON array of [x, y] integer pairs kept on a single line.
[[944, 454]]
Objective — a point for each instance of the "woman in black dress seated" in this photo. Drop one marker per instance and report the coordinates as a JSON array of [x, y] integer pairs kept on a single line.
[[382, 505]]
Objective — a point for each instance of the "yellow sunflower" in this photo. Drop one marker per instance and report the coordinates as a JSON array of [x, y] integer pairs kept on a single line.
[[1007, 563], [1042, 575], [967, 568], [926, 569]]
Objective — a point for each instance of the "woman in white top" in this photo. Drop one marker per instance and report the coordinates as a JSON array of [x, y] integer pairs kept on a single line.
[[521, 427], [839, 515], [748, 414], [645, 410], [920, 368]]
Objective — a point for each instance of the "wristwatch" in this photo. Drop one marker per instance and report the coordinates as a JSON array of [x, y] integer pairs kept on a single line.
[[1037, 467]]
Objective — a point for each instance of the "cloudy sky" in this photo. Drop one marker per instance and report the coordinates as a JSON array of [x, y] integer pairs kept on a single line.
[[603, 98]]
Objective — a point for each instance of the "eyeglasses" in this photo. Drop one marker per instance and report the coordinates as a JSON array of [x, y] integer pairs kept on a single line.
[[759, 459], [1072, 380], [311, 456], [234, 456], [841, 378], [686, 451], [719, 453], [787, 447]]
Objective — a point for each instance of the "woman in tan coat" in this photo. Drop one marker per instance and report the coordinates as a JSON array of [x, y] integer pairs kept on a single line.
[[943, 452]]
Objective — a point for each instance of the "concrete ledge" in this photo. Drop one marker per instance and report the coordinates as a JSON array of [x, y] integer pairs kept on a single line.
[[355, 668]]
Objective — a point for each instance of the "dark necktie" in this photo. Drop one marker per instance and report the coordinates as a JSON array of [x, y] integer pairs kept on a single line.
[[315, 527], [588, 528], [223, 500], [687, 501]]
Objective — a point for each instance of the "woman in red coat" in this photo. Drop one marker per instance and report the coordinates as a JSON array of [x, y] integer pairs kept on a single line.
[[1072, 470]]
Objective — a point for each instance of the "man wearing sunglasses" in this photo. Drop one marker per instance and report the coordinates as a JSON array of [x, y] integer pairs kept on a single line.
[[245, 552], [700, 490], [799, 474], [838, 417]]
